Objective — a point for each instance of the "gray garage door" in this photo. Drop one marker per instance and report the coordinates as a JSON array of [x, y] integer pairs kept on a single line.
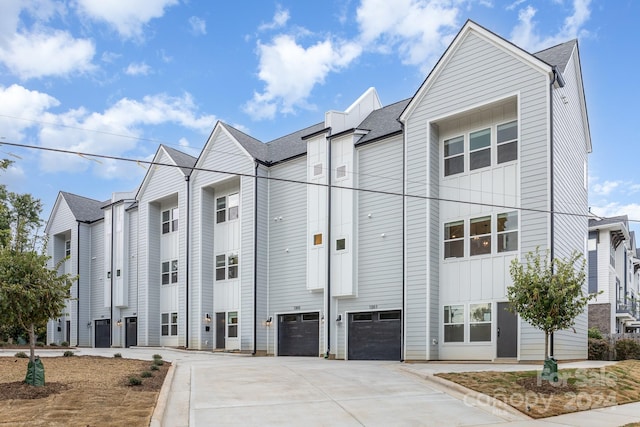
[[375, 335], [299, 334]]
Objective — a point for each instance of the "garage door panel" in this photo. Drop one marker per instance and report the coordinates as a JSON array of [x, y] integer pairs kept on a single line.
[[298, 334], [375, 335]]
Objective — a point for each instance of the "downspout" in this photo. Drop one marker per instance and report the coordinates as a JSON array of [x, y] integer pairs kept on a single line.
[[187, 228], [328, 314], [77, 290], [255, 260], [404, 229], [111, 274]]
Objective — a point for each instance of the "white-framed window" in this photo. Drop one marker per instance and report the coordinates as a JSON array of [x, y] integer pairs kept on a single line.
[[227, 266], [507, 231], [480, 322], [67, 248], [170, 219], [454, 156], [480, 236], [170, 272], [232, 324], [341, 172], [480, 149], [454, 239], [169, 324], [507, 141], [341, 244], [317, 169], [227, 208], [454, 323]]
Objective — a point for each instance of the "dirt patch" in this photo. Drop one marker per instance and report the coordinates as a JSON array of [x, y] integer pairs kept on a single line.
[[537, 385], [80, 390]]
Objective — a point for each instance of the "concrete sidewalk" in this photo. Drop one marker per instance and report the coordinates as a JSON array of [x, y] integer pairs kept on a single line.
[[205, 388]]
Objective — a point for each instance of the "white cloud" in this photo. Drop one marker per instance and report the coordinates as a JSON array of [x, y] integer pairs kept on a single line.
[[109, 57], [280, 19], [198, 26], [515, 4], [526, 35], [290, 72], [418, 30], [127, 17], [137, 69], [18, 107], [632, 210], [46, 53], [605, 188]]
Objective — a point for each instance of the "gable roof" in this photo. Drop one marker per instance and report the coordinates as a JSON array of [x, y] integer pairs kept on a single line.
[[183, 160], [558, 55], [83, 208], [383, 122]]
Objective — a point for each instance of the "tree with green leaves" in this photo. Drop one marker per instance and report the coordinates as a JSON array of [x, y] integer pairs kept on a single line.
[[30, 292], [548, 293]]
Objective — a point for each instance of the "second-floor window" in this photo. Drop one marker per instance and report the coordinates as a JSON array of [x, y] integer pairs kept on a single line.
[[170, 272], [227, 208], [170, 220], [67, 248], [227, 266]]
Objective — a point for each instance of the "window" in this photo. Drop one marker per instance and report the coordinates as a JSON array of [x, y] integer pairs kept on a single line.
[[453, 323], [480, 322], [612, 253], [67, 248], [454, 156], [170, 220], [233, 206], [317, 239], [317, 169], [508, 231], [454, 239], [169, 328], [232, 324], [341, 244], [170, 272], [341, 172], [227, 266], [507, 141], [480, 149], [480, 232], [362, 317], [221, 209]]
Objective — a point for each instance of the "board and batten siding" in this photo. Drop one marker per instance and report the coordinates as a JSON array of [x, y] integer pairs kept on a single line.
[[222, 153], [570, 196], [98, 276], [379, 235], [287, 289], [474, 75], [81, 334], [262, 261]]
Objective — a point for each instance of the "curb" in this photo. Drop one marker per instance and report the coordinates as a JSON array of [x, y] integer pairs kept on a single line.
[[163, 398], [470, 397]]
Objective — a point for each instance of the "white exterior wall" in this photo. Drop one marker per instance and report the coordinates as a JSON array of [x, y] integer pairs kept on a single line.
[[316, 203]]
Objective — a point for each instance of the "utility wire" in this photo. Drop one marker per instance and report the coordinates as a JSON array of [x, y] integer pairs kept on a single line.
[[294, 181]]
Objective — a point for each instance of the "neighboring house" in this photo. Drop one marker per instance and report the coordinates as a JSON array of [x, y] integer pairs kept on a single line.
[[614, 273], [383, 232]]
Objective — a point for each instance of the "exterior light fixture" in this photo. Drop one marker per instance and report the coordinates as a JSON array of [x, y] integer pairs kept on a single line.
[[119, 322]]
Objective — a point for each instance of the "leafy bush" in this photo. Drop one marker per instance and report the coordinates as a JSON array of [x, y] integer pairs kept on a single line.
[[156, 357], [627, 349], [117, 355], [154, 367], [135, 381], [146, 374], [53, 344], [158, 362], [68, 353], [599, 349], [64, 344], [595, 333], [21, 355], [39, 344]]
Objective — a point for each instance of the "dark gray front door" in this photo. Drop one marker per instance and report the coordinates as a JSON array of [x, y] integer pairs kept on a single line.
[[131, 339], [375, 335], [68, 328], [299, 334], [103, 333], [507, 331], [220, 326]]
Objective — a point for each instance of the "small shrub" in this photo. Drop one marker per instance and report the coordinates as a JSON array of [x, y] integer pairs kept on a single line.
[[117, 355], [158, 362], [598, 349], [39, 344], [21, 355], [2, 343], [594, 333], [53, 344], [68, 353], [146, 374], [156, 357], [627, 349], [134, 381], [64, 344], [154, 367]]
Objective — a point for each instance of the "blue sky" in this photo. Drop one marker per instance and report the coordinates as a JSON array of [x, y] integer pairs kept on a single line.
[[119, 77]]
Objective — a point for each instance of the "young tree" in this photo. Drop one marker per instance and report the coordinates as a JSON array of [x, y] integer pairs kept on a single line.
[[30, 292], [548, 293]]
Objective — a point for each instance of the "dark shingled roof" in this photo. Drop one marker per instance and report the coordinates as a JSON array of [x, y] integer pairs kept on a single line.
[[607, 221], [255, 147], [291, 145], [383, 122], [185, 161], [558, 55], [83, 208]]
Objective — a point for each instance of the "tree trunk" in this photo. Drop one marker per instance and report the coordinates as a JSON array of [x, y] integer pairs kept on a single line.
[[546, 345], [32, 343]]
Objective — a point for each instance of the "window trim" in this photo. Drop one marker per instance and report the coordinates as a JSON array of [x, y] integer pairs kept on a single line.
[[451, 240], [171, 273], [508, 141], [170, 325], [228, 267], [232, 315], [478, 150], [67, 248], [172, 221], [446, 323], [453, 156], [483, 322], [480, 237]]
